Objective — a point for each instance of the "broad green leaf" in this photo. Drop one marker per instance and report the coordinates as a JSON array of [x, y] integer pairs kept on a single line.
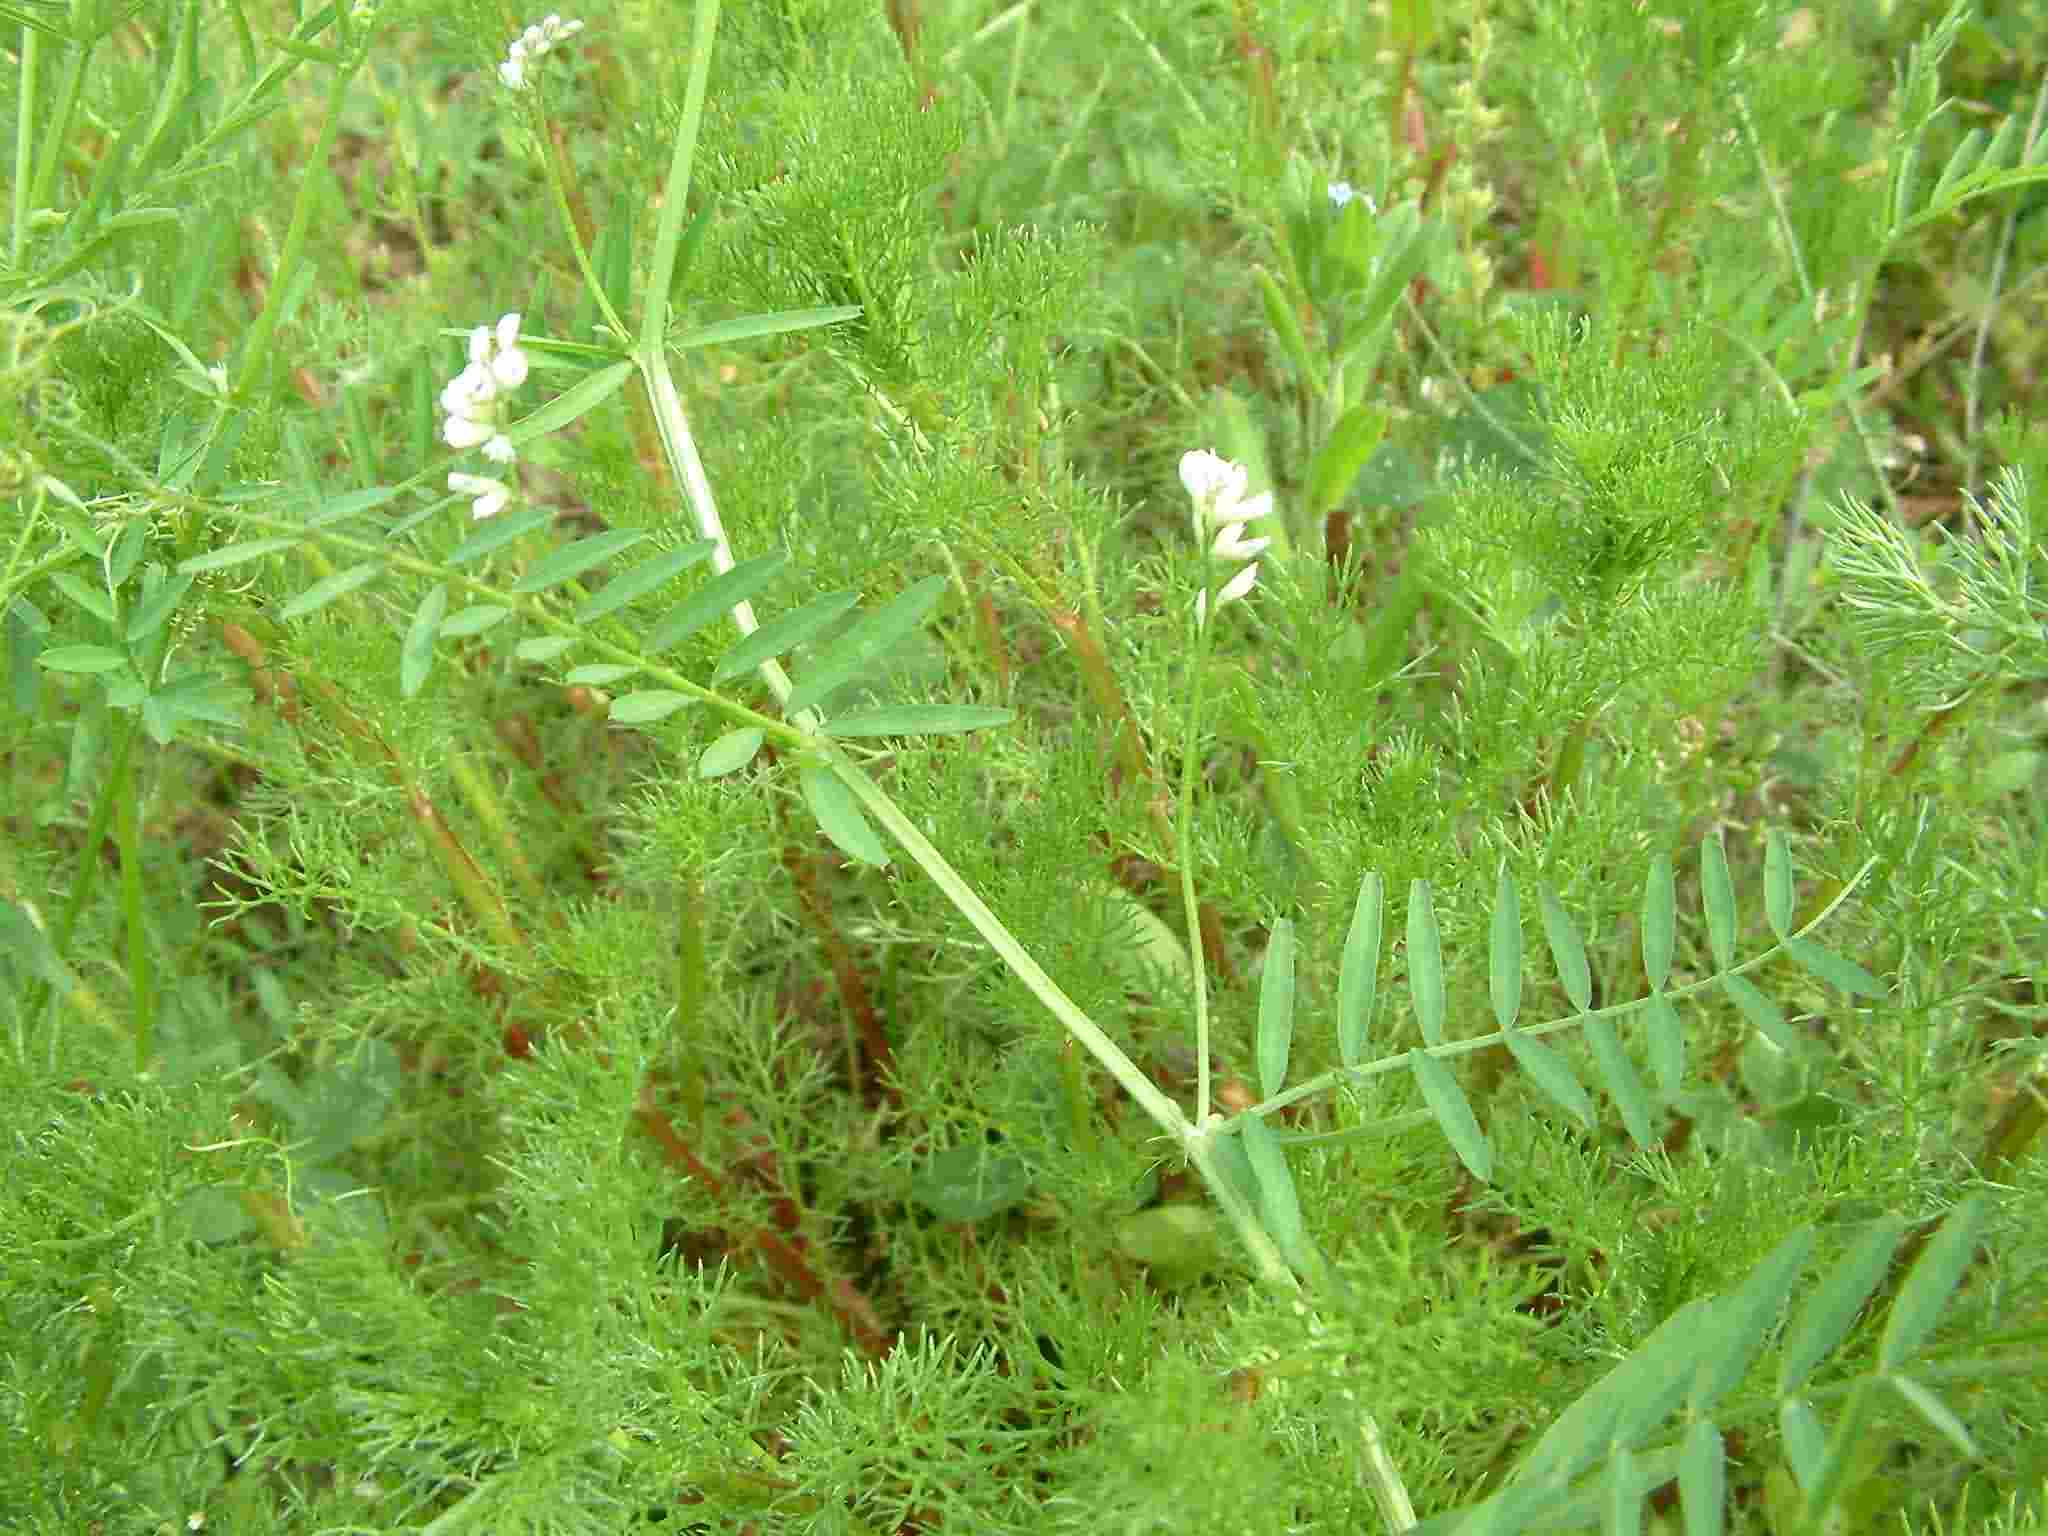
[[1335, 467], [416, 652], [1660, 921], [572, 560], [1929, 1284], [971, 1182], [235, 554], [785, 632], [840, 816], [598, 674], [1425, 963], [1805, 1439], [89, 659], [1743, 1320], [543, 648], [473, 620], [498, 532], [1146, 948], [1936, 1413], [1358, 982], [1717, 895], [1665, 1036], [747, 327], [339, 509], [157, 607], [201, 695], [1619, 1074], [1504, 953], [85, 596], [1279, 1205], [917, 720], [1276, 1009], [574, 402], [872, 636], [1703, 1479], [717, 595], [1828, 1314], [1567, 950], [1778, 883], [127, 552], [1179, 1242], [1834, 970], [1551, 1073], [735, 749], [643, 579], [649, 705], [1763, 1013], [1447, 1102], [326, 590]]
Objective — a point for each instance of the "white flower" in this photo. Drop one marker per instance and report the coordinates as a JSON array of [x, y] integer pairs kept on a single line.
[[531, 44], [487, 496], [1218, 488], [473, 398], [1343, 193]]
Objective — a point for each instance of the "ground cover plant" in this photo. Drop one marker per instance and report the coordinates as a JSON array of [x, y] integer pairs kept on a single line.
[[803, 765]]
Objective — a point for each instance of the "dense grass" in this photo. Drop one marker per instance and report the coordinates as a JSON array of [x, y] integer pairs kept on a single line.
[[453, 1082]]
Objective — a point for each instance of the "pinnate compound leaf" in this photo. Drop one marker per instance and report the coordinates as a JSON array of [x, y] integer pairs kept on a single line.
[[416, 653], [1717, 895], [724, 591], [1778, 883], [840, 816], [1620, 1076], [328, 588], [1550, 1072], [1936, 1413], [1504, 953], [1567, 950], [1834, 970], [1929, 1284], [917, 720], [1666, 1037], [572, 560], [1660, 921], [647, 706], [735, 749], [1358, 982], [872, 636], [1743, 1320], [1703, 1479], [646, 577], [784, 632], [1763, 1013], [1825, 1318], [1447, 1102], [1276, 1009], [498, 532], [1425, 963]]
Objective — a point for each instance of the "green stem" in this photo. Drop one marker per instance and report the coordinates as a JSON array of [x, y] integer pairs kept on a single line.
[[134, 911]]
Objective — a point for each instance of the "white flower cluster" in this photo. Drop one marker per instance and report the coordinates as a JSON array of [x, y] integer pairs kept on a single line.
[[474, 400], [1218, 488], [529, 45]]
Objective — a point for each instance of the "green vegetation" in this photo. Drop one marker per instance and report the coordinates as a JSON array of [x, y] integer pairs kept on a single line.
[[925, 766]]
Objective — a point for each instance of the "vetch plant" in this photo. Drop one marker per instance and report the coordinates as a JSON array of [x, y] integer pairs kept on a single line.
[[580, 1365]]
